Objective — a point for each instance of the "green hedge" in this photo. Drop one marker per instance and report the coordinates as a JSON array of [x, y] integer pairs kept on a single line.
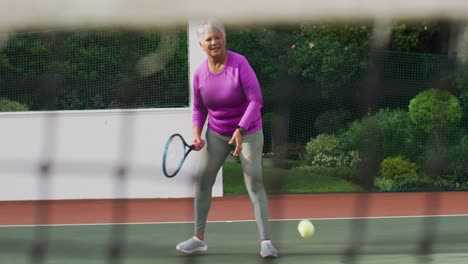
[[11, 106]]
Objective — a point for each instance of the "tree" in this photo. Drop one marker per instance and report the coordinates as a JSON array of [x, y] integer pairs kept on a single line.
[[415, 36], [436, 111]]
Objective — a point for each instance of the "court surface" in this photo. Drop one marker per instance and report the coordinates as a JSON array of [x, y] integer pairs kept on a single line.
[[387, 238]]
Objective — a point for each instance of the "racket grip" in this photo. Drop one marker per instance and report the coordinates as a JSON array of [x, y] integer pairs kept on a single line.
[[196, 146]]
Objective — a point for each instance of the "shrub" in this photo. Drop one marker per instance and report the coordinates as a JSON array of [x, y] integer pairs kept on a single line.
[[464, 105], [435, 109], [450, 166], [395, 167], [341, 160], [464, 143], [455, 169], [324, 160], [323, 144], [385, 184], [412, 183], [448, 184], [11, 106], [460, 81], [326, 151], [389, 132], [403, 183]]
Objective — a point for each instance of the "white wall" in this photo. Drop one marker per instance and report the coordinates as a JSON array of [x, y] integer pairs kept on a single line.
[[85, 148]]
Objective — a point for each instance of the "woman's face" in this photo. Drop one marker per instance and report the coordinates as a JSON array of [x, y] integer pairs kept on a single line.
[[213, 43]]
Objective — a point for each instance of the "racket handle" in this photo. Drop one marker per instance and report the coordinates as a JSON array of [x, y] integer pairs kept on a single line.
[[196, 146]]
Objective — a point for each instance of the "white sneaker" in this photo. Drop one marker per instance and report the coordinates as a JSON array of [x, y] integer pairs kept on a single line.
[[268, 250], [192, 245]]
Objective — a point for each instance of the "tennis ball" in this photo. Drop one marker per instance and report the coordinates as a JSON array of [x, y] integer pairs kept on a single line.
[[306, 228]]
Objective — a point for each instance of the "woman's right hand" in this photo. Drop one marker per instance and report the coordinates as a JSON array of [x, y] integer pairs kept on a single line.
[[199, 143]]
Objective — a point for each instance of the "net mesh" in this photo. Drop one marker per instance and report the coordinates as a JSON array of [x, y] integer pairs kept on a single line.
[[94, 66], [384, 112], [340, 102]]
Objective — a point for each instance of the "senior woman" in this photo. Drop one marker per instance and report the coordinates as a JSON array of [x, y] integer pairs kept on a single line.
[[227, 92]]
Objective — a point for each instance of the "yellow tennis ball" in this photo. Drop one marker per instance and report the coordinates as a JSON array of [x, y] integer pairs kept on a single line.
[[306, 228]]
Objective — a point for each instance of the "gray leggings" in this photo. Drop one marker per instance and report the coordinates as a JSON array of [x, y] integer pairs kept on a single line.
[[251, 159]]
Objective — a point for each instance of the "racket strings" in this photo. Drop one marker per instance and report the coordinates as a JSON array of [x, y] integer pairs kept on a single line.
[[175, 153]]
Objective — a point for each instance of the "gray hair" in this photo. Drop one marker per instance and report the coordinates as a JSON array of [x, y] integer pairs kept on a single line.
[[211, 23]]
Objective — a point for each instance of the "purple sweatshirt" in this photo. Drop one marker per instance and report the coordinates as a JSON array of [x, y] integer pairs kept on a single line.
[[230, 98]]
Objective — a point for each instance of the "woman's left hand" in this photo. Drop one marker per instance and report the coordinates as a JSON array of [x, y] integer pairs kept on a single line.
[[237, 139]]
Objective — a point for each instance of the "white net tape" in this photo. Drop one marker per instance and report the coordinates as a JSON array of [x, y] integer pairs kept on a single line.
[[26, 14]]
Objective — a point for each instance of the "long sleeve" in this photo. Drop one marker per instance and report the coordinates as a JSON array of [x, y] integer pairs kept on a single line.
[[253, 93], [199, 112]]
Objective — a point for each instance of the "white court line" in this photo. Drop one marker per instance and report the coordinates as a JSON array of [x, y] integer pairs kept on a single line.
[[242, 221]]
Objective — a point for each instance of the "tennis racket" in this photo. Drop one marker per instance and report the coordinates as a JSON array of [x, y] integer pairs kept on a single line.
[[175, 153]]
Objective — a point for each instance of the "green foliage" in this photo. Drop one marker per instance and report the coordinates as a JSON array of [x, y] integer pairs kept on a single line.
[[326, 151], [460, 77], [384, 184], [404, 183], [94, 66], [460, 81], [323, 144], [435, 109], [455, 170], [355, 34], [351, 159], [464, 105], [4, 63], [297, 180], [329, 66], [421, 182], [332, 121], [450, 183], [386, 133], [324, 160], [464, 143], [34, 54], [11, 106], [417, 37], [326, 64], [396, 167]]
